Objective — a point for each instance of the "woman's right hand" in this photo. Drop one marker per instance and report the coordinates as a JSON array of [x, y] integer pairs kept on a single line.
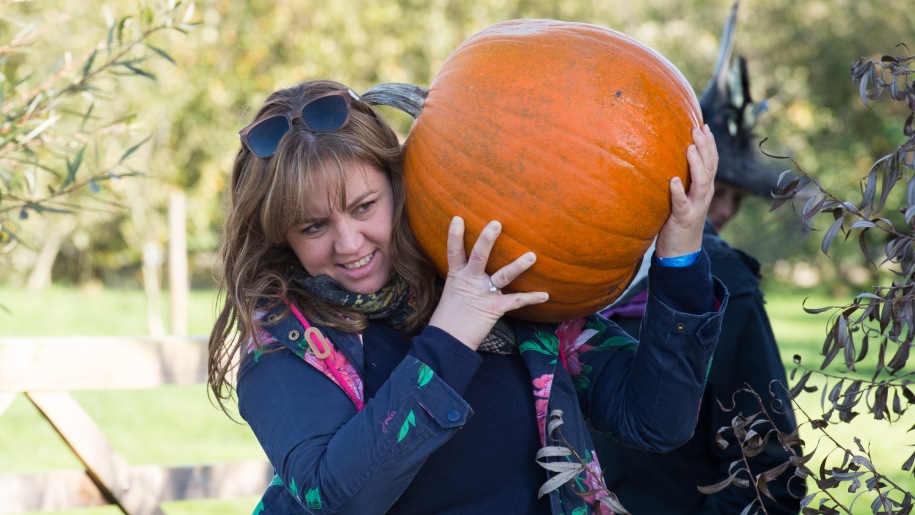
[[468, 309]]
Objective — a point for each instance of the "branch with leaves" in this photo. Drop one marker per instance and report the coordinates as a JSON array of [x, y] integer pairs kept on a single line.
[[753, 433], [881, 318], [854, 467], [567, 465], [884, 316], [54, 146], [855, 471]]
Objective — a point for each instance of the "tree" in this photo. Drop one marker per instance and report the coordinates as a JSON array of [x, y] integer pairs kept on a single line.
[[56, 150], [245, 49]]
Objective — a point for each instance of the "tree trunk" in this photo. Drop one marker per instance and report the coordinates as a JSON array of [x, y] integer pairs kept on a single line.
[[41, 274]]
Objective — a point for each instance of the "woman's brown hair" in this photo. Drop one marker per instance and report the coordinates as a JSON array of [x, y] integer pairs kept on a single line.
[[266, 200]]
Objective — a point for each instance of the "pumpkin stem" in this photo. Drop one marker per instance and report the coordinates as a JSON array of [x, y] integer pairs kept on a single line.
[[409, 98]]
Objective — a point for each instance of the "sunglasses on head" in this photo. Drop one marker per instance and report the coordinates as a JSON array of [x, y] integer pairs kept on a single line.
[[323, 113]]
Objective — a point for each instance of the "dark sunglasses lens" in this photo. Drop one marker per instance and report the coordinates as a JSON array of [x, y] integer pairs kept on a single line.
[[326, 114], [266, 135]]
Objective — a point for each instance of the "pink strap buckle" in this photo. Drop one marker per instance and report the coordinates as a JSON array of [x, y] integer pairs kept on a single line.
[[318, 343]]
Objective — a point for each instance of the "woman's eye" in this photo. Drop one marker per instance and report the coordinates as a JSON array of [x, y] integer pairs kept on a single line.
[[362, 208], [312, 228]]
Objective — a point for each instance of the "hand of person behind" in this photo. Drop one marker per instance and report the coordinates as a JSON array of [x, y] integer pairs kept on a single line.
[[469, 306], [682, 233]]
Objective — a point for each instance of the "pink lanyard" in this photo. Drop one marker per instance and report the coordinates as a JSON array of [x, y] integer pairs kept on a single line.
[[324, 349]]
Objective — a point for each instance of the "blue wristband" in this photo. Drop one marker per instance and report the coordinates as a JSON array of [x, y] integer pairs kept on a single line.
[[679, 261]]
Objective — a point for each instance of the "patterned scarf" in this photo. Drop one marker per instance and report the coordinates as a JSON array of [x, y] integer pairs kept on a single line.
[[392, 304]]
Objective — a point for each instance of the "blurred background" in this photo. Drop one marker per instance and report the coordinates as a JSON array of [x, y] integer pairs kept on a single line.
[[112, 192], [799, 54]]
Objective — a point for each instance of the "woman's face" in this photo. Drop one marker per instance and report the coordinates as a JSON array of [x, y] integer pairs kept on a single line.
[[352, 245], [725, 204]]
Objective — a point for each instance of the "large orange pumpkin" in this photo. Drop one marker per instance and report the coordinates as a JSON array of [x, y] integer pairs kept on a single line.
[[566, 133]]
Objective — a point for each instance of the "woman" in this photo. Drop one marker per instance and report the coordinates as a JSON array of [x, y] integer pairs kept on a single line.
[[373, 387]]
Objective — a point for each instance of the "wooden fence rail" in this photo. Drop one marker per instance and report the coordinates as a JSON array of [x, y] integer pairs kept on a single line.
[[46, 370]]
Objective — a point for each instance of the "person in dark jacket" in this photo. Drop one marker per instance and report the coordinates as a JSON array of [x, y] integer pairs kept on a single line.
[[375, 387], [746, 355]]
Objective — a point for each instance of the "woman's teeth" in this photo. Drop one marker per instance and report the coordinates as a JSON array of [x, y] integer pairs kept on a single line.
[[358, 264]]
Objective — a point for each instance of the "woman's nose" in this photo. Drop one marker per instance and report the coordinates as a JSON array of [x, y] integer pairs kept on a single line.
[[349, 238]]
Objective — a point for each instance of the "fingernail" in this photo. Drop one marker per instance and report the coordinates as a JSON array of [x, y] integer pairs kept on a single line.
[[495, 226], [531, 257]]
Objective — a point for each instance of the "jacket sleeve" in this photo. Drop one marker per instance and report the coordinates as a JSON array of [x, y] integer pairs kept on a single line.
[[332, 459], [648, 395]]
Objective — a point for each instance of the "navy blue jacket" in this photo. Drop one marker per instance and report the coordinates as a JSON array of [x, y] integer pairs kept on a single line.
[[332, 457]]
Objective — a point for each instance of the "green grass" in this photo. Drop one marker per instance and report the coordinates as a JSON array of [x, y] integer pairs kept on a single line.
[[802, 334], [177, 425], [93, 311], [171, 425]]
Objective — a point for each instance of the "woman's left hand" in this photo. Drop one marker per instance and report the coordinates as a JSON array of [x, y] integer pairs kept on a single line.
[[472, 301], [682, 233]]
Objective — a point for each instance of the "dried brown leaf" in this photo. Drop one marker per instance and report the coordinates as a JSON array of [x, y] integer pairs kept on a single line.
[[717, 487]]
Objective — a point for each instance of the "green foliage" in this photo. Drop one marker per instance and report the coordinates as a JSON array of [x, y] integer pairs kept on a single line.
[[241, 51], [63, 135]]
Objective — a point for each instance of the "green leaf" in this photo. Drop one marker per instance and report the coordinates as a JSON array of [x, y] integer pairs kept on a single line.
[[161, 53], [139, 71], [313, 499], [293, 488], [48, 209], [616, 341], [110, 39], [87, 66], [534, 346], [86, 116], [73, 167], [121, 25], [548, 341], [425, 375], [405, 428], [133, 149], [582, 382]]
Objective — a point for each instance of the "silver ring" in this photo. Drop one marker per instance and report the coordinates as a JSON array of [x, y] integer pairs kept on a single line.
[[492, 287]]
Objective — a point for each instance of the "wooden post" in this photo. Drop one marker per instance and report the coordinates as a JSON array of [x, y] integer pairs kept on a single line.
[[178, 280], [152, 261], [47, 370], [108, 470]]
